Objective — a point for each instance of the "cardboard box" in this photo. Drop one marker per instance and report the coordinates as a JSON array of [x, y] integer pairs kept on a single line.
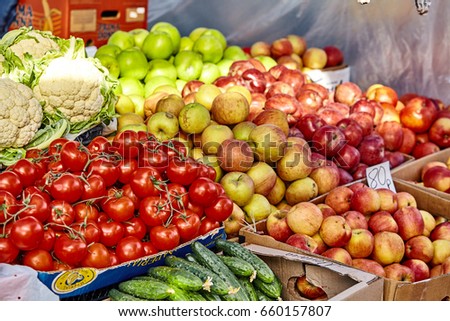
[[410, 173], [331, 77], [82, 281], [435, 289], [92, 20], [340, 282]]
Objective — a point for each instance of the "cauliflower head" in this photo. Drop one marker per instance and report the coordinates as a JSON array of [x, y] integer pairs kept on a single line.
[[34, 43], [20, 114]]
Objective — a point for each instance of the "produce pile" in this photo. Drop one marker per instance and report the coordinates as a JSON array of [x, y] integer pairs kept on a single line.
[[203, 275]]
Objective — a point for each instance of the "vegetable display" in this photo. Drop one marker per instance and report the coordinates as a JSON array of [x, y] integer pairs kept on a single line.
[[181, 278]]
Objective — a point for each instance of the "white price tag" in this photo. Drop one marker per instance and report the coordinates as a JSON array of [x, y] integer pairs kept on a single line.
[[379, 176]]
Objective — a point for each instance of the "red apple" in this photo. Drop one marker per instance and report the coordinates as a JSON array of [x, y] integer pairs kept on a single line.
[[446, 266], [424, 149], [358, 185], [294, 78], [321, 90], [275, 117], [382, 94], [326, 178], [388, 200], [304, 218], [235, 155], [339, 199], [279, 87], [277, 227], [441, 232], [369, 265], [390, 113], [281, 47], [366, 201], [309, 124], [284, 102], [388, 248], [405, 199], [310, 100], [338, 254], [364, 120], [348, 157], [420, 269], [344, 177], [291, 61], [436, 271], [410, 222], [309, 290], [392, 134], [328, 140], [355, 220], [326, 210], [429, 165], [394, 158], [419, 114], [260, 48], [335, 231], [347, 93], [303, 242], [371, 149], [409, 141], [382, 221], [360, 171], [330, 115], [398, 272], [422, 138], [335, 56], [254, 80], [419, 247], [321, 246], [439, 132], [438, 178], [361, 243]]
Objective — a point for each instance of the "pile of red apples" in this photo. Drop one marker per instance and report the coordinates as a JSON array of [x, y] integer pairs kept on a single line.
[[436, 174], [376, 230]]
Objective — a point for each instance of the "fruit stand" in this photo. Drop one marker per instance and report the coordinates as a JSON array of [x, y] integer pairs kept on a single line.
[[179, 159]]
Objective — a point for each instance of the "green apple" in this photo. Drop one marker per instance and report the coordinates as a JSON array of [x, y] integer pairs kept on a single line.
[[234, 53], [267, 61], [122, 39], [163, 125], [108, 49], [139, 35], [206, 94], [157, 45], [111, 64], [194, 118], [124, 104], [217, 34], [239, 187], [139, 102], [224, 66], [189, 65], [171, 104], [209, 47], [132, 63], [133, 127], [257, 209], [213, 136], [197, 32], [210, 72], [243, 129], [131, 86], [161, 67], [186, 43], [180, 83], [171, 30], [156, 82]]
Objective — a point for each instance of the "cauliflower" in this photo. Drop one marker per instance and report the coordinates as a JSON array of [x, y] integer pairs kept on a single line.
[[20, 114]]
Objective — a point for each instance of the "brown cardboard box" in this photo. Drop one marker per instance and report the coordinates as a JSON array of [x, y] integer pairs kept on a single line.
[[92, 20], [340, 282], [331, 77], [434, 289], [410, 172]]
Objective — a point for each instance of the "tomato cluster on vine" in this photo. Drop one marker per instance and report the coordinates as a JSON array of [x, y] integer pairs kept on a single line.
[[104, 203]]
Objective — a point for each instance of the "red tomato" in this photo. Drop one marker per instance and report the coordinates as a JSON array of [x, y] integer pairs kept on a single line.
[[97, 256], [129, 248], [36, 205], [31, 190], [94, 188], [8, 250], [74, 156], [113, 257], [10, 182], [67, 187], [128, 191], [61, 215], [112, 232], [154, 210], [26, 171], [41, 167], [220, 189], [188, 225], [60, 266], [221, 209], [35, 153], [26, 233], [118, 207], [174, 148], [182, 171], [149, 248], [70, 250], [165, 238], [56, 145], [127, 144], [135, 227], [207, 171], [208, 225], [85, 212], [98, 145], [8, 206], [55, 166], [177, 196], [127, 166], [88, 231], [203, 191], [197, 209], [156, 158], [48, 241], [108, 169], [38, 259], [145, 182]]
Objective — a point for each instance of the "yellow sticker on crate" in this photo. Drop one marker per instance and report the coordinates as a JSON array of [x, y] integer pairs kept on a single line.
[[70, 280]]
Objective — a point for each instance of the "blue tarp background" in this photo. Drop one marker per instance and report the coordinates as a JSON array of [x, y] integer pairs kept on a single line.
[[384, 41]]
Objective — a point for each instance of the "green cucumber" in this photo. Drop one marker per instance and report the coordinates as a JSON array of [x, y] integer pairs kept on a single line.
[[209, 296], [146, 289], [196, 296], [238, 266], [212, 261], [264, 272], [178, 277], [179, 294], [272, 290], [116, 295], [248, 286], [190, 258], [261, 296], [211, 281]]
